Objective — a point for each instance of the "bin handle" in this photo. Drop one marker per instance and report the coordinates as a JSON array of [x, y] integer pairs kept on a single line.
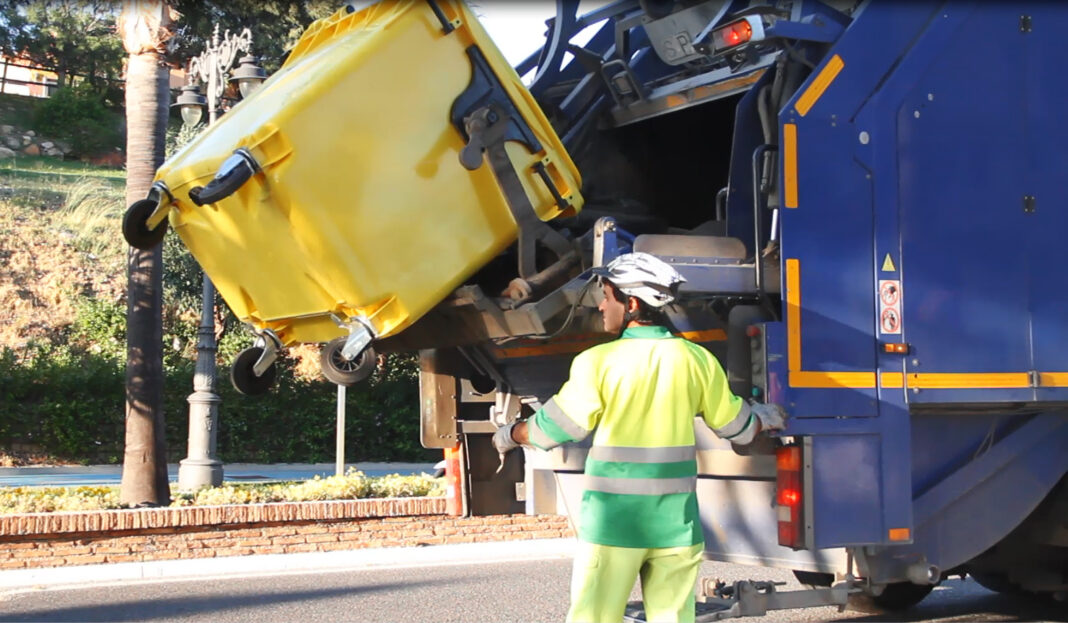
[[543, 173], [234, 172]]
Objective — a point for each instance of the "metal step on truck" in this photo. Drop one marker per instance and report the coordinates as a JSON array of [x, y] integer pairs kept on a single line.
[[862, 196]]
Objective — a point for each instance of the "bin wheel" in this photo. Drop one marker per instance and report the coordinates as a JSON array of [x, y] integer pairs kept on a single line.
[[341, 371], [135, 225], [244, 379], [895, 597]]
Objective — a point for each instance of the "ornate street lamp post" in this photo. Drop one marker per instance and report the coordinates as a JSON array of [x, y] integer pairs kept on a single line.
[[202, 468]]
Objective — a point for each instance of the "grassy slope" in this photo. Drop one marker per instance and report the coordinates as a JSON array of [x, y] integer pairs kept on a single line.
[[58, 240]]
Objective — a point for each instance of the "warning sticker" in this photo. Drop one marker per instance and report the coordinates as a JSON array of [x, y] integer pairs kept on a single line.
[[888, 264], [888, 293], [889, 306], [889, 322]]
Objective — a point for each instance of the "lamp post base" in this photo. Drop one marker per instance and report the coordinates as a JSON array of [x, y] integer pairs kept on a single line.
[[197, 473]]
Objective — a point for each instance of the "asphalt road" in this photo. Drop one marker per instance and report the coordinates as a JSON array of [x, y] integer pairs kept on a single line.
[[520, 590]]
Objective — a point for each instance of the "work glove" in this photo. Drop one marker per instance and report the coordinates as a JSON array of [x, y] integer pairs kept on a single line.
[[771, 415], [503, 442]]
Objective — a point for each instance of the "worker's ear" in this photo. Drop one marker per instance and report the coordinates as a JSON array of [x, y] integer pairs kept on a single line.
[[632, 304]]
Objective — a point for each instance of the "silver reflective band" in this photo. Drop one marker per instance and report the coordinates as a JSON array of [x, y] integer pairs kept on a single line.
[[642, 486], [539, 438], [672, 454], [557, 415], [735, 426]]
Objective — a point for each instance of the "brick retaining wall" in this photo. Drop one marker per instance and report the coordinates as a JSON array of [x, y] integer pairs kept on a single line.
[[142, 535]]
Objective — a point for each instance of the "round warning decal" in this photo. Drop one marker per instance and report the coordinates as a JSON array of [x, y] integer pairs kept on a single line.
[[889, 293], [890, 321]]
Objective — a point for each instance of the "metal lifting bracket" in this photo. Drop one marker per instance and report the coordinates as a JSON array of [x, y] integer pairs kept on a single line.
[[486, 116]]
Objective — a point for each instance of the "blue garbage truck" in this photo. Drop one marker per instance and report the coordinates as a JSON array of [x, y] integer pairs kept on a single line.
[[863, 199]]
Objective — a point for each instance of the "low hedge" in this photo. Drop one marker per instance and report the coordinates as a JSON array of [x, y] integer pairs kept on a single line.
[[352, 486]]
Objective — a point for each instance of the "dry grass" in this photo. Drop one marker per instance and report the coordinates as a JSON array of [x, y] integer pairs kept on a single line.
[[59, 239], [14, 458]]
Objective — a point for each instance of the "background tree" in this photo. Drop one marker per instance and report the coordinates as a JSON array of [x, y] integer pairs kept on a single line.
[[145, 27], [73, 37], [276, 25]]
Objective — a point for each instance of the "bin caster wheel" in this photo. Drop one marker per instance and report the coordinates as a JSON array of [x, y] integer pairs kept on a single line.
[[341, 371], [135, 228], [243, 377]]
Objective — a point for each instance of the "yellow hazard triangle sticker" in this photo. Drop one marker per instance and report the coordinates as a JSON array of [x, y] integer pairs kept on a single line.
[[888, 264]]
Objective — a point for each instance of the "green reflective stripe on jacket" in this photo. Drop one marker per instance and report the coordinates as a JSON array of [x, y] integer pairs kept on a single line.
[[640, 520], [619, 469]]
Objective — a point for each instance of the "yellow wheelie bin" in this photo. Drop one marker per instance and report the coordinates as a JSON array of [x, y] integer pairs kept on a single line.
[[349, 194]]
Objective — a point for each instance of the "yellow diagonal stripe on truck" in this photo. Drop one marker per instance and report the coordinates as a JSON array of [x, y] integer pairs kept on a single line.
[[789, 164], [823, 80]]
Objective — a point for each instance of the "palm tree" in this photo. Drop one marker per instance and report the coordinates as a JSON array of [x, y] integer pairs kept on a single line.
[[145, 27]]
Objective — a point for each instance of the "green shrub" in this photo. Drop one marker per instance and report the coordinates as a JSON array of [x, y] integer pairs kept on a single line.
[[69, 401], [101, 326], [66, 402], [78, 115]]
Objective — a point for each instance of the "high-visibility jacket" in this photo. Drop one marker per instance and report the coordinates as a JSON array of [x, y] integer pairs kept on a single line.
[[639, 396]]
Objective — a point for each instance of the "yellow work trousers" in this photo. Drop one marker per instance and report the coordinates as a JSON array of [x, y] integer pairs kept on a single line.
[[603, 577]]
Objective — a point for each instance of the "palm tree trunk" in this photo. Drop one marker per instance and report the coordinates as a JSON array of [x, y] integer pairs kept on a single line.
[[144, 471]]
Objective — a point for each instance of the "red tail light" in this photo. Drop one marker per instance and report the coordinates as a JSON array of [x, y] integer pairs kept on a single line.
[[732, 34], [790, 497]]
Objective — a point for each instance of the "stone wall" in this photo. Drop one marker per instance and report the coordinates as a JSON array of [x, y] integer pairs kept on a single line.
[[142, 535], [14, 141]]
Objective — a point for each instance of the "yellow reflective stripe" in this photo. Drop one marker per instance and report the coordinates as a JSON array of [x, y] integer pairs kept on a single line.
[[573, 345], [793, 313], [823, 80], [866, 380], [1053, 379], [851, 380], [937, 380], [789, 164], [711, 335], [631, 454], [642, 486]]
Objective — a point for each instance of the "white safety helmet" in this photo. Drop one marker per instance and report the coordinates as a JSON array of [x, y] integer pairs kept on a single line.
[[643, 276]]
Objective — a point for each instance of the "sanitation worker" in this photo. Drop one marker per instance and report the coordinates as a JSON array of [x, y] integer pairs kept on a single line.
[[638, 396]]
